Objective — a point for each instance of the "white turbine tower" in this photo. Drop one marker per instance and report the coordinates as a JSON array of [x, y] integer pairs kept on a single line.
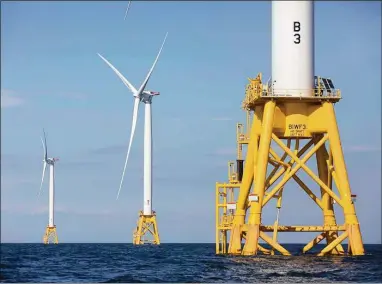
[[50, 232], [147, 218]]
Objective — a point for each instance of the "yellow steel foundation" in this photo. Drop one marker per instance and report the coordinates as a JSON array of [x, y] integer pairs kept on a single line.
[[307, 122], [147, 224], [50, 235]]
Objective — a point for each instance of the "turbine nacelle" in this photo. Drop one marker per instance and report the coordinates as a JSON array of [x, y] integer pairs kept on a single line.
[[151, 93], [51, 161], [147, 96]]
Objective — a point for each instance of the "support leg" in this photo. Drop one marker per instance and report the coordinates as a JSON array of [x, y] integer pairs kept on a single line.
[[351, 220], [326, 200], [247, 180], [254, 220], [138, 230], [155, 229]]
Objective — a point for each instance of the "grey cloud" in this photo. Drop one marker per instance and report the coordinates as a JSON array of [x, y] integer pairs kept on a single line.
[[110, 150], [223, 152], [222, 119], [10, 99], [73, 95], [122, 149], [80, 163], [27, 209], [362, 148]]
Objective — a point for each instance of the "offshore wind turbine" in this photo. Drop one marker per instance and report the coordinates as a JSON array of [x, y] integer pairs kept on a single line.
[[50, 232], [147, 218]]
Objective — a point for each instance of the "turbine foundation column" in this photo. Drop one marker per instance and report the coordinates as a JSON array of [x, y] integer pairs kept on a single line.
[[351, 220], [254, 219], [236, 235], [326, 200]]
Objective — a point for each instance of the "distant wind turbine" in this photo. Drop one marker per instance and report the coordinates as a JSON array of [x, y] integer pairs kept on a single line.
[[51, 228]]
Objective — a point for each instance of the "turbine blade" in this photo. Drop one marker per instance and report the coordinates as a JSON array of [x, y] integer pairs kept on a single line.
[[124, 80], [143, 86], [42, 179], [45, 146], [134, 122], [127, 10]]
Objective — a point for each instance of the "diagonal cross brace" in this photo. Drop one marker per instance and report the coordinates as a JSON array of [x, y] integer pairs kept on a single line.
[[301, 164]]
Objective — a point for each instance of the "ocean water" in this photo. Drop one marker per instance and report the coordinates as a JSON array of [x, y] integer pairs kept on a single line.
[[183, 263]]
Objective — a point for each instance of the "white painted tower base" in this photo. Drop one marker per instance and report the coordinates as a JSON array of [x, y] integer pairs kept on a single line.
[[293, 48]]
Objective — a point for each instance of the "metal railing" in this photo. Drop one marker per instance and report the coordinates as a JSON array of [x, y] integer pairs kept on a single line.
[[317, 92]]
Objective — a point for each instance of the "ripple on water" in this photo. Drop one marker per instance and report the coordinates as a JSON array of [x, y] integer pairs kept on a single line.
[[185, 263]]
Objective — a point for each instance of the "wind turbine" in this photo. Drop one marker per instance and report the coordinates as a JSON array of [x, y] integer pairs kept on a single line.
[[147, 217], [50, 232]]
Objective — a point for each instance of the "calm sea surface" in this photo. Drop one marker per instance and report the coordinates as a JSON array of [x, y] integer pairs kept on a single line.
[[177, 263]]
